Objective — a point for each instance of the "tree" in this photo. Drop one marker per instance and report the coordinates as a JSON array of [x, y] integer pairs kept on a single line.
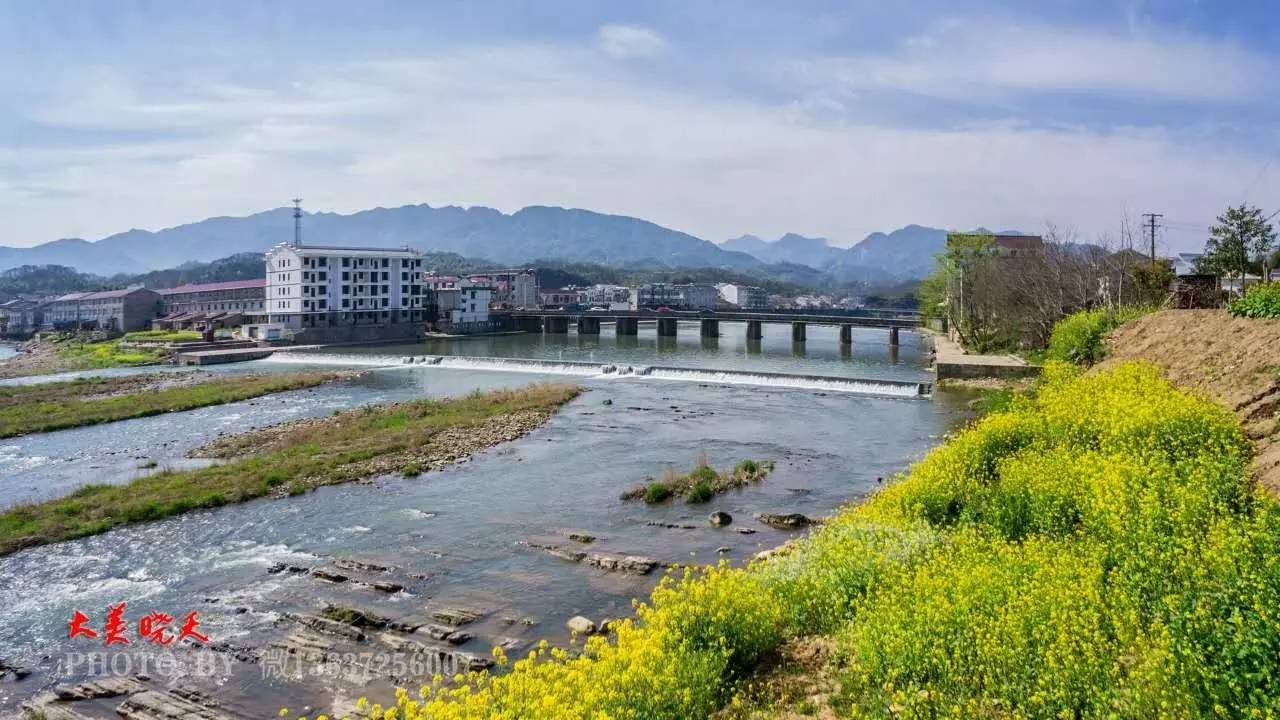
[[1241, 235]]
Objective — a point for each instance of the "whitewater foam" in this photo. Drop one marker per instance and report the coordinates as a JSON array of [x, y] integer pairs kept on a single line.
[[858, 386]]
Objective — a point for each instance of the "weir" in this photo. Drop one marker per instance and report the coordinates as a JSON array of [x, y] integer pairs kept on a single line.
[[861, 386]]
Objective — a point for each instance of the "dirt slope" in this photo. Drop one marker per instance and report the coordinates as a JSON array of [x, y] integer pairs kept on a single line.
[[1235, 361]]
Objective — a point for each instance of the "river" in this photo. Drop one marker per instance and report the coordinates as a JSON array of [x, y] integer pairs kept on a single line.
[[461, 537]]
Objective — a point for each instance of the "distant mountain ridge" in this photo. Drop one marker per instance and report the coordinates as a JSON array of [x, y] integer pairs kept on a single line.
[[532, 233], [904, 254]]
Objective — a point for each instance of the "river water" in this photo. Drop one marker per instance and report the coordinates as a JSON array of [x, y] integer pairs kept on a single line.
[[460, 537]]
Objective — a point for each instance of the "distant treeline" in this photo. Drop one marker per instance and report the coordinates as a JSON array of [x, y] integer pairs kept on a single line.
[[782, 279]]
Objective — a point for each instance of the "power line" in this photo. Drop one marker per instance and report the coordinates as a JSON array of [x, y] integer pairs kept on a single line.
[[1152, 226]]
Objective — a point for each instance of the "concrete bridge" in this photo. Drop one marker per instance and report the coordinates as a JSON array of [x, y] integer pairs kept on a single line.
[[627, 322]]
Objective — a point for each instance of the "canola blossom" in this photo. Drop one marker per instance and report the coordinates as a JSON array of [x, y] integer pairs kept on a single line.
[[1093, 551]]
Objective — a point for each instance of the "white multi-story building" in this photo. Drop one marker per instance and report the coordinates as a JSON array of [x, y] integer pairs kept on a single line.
[[314, 286], [744, 296]]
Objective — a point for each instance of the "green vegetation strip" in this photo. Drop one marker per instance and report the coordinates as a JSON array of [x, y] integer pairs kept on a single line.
[[58, 405], [347, 446], [1096, 550], [700, 484]]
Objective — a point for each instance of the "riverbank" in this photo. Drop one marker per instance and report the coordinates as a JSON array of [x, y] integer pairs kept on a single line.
[[1074, 555], [68, 355], [87, 401], [409, 438], [1235, 361]]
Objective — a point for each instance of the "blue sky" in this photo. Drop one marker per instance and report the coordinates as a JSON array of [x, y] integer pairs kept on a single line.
[[833, 119]]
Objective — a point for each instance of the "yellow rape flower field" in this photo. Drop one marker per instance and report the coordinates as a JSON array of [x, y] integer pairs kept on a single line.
[[1092, 551]]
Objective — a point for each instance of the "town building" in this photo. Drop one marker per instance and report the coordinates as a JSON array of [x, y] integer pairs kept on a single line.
[[746, 297], [433, 282], [677, 297], [613, 297], [510, 288], [336, 294], [465, 309], [558, 297], [697, 297], [21, 316], [651, 296], [111, 310], [213, 305]]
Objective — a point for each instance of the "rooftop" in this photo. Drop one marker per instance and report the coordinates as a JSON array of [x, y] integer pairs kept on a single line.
[[213, 287], [346, 250], [100, 294]]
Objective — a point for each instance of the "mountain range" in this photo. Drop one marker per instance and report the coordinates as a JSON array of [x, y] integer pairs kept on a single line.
[[532, 233]]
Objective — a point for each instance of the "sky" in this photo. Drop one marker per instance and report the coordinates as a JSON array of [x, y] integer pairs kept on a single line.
[[830, 119]]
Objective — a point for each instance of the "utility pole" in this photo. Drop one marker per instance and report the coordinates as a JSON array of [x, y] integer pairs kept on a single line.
[[297, 222], [1152, 225]]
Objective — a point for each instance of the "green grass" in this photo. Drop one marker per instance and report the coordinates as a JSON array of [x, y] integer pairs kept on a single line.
[[58, 405], [162, 336], [77, 355], [344, 448], [700, 484]]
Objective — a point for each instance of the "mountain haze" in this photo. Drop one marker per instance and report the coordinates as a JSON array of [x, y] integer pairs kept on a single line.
[[531, 233]]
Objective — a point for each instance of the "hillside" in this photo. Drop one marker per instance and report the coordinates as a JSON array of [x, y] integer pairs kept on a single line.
[[533, 232], [1235, 361], [902, 255]]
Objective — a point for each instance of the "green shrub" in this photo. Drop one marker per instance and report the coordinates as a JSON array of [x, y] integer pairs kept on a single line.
[[656, 492], [1079, 338], [1259, 301], [699, 492]]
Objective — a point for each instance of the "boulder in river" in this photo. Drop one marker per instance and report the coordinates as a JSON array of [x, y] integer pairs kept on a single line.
[[720, 518], [581, 625], [784, 521]]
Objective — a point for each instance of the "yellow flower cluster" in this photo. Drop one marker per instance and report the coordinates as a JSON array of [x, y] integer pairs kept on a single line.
[[1093, 551]]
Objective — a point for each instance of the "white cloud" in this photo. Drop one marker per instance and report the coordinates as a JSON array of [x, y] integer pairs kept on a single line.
[[972, 60], [515, 126], [630, 41]]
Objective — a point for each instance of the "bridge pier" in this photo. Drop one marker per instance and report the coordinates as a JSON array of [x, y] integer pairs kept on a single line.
[[627, 326], [530, 324], [893, 336], [666, 327], [588, 326], [710, 328], [846, 334], [556, 325], [797, 332], [754, 331]]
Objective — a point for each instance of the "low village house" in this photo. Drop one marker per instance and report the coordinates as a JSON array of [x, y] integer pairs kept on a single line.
[[109, 310], [203, 306]]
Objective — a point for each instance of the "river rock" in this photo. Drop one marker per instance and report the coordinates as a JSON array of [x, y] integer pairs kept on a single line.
[[630, 564], [330, 575], [784, 521], [102, 688], [156, 705], [456, 616], [582, 537], [386, 586], [720, 518], [327, 626], [349, 564], [581, 625]]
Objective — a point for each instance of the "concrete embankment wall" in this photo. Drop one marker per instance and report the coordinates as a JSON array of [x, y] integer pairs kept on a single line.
[[951, 363]]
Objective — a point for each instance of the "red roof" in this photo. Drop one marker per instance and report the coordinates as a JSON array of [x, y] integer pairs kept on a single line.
[[213, 287]]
